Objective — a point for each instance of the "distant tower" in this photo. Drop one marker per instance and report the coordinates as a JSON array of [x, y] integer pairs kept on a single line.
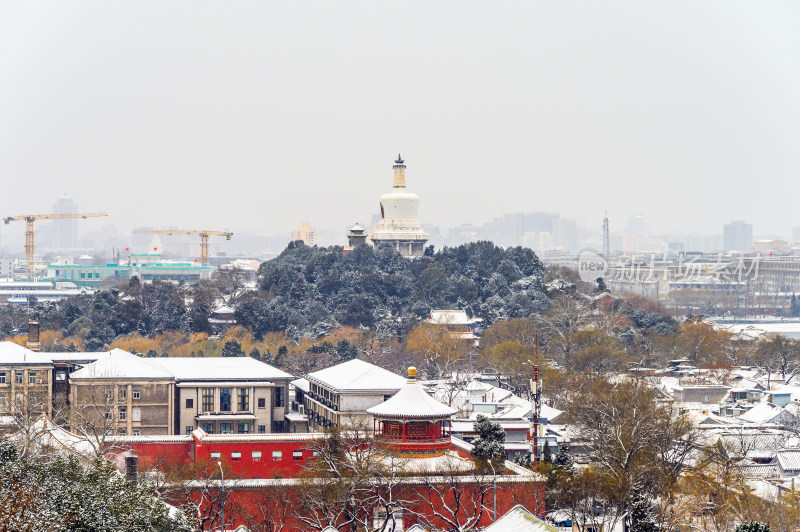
[[357, 236], [606, 244], [66, 231]]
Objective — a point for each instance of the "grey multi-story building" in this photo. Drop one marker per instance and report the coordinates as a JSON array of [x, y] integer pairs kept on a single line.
[[737, 236]]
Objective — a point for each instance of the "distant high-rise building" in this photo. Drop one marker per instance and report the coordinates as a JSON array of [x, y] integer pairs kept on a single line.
[[565, 234], [795, 234], [737, 236], [306, 233], [66, 231]]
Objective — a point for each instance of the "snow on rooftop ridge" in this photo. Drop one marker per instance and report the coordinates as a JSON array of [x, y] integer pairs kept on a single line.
[[519, 519], [219, 368], [120, 364], [357, 375], [11, 353]]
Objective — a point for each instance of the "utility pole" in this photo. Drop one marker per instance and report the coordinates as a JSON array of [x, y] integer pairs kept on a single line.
[[536, 407], [222, 484]]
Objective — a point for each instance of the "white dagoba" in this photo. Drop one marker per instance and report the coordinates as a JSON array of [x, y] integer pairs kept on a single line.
[[399, 225]]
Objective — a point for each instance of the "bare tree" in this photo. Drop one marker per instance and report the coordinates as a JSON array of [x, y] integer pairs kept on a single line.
[[453, 497], [98, 411]]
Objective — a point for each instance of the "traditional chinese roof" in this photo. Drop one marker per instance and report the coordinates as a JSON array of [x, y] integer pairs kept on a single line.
[[412, 401]]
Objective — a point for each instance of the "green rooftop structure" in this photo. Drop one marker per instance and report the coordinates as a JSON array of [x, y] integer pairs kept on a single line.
[[103, 274]]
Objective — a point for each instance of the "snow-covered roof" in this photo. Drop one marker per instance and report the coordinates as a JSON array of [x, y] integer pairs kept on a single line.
[[788, 460], [301, 384], [15, 354], [450, 317], [762, 413], [50, 435], [356, 375], [412, 401], [220, 368], [120, 364], [519, 519]]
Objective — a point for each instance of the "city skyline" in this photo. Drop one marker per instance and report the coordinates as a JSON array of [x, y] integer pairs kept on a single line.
[[688, 116]]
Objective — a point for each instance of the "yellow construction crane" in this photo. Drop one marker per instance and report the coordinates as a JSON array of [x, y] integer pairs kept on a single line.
[[30, 218], [203, 237]]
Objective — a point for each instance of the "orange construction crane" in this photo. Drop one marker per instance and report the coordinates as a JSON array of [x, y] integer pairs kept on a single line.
[[203, 237], [30, 218]]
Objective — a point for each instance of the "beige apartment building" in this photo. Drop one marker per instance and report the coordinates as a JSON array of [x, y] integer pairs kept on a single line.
[[131, 395], [306, 233], [25, 382]]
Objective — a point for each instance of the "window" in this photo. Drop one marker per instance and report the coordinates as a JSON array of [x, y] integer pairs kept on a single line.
[[208, 428], [244, 428], [123, 413], [244, 399], [2, 377], [256, 456], [215, 455], [189, 430], [262, 402], [262, 429], [2, 401], [277, 456], [19, 399], [225, 428], [18, 377], [135, 432], [278, 397], [277, 427], [61, 376], [236, 457], [31, 377], [109, 395], [208, 399], [136, 414], [225, 399], [123, 392], [297, 455], [190, 403], [137, 394]]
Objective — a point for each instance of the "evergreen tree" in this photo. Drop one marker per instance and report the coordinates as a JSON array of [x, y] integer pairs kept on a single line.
[[601, 286], [50, 492], [255, 353], [547, 453], [642, 517], [488, 446], [753, 526], [232, 348], [563, 460]]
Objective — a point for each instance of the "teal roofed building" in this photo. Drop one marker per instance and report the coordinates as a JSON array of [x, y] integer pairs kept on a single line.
[[109, 274]]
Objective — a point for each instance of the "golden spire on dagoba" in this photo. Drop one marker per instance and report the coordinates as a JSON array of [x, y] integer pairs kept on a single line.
[[399, 173]]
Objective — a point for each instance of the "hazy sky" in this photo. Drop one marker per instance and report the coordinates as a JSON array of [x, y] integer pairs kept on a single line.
[[254, 115]]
